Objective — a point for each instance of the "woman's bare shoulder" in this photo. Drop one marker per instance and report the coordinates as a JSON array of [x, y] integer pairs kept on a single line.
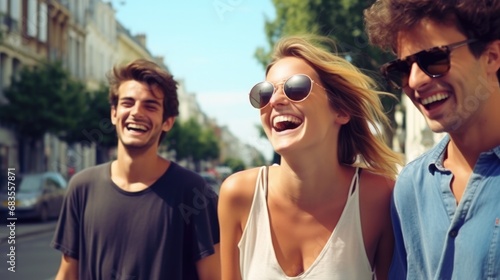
[[375, 187], [238, 188]]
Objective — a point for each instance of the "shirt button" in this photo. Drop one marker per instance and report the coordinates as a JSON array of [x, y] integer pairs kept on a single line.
[[453, 233]]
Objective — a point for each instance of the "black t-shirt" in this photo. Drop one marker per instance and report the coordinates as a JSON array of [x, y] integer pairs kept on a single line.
[[158, 233]]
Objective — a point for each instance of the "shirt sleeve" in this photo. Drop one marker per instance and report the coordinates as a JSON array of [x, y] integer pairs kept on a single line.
[[205, 226], [398, 268], [66, 235]]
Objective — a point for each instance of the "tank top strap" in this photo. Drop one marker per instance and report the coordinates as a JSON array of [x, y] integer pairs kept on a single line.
[[262, 179], [355, 182]]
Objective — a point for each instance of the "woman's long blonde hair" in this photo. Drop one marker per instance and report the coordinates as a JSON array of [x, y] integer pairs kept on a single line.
[[350, 91]]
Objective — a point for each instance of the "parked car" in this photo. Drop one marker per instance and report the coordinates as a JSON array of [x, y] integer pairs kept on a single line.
[[37, 196], [211, 180]]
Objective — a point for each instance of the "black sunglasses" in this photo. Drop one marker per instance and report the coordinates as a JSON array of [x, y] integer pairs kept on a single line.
[[296, 89], [434, 62]]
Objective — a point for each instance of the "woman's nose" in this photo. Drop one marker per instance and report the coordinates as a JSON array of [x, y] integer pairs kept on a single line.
[[279, 97]]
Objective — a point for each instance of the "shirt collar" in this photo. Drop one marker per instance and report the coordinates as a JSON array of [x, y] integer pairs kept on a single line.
[[436, 158], [496, 150]]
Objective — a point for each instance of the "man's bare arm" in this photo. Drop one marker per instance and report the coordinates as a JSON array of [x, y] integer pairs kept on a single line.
[[68, 270], [209, 268]]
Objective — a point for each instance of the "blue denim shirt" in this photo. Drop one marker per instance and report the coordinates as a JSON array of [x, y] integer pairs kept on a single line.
[[438, 239]]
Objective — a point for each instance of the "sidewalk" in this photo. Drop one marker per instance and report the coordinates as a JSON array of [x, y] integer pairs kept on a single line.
[[24, 228]]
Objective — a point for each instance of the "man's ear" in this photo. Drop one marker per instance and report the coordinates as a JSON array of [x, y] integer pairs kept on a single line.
[[493, 56], [113, 115], [168, 124]]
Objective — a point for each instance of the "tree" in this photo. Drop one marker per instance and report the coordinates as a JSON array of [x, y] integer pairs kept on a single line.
[[192, 142], [94, 124], [188, 143], [41, 99], [340, 20], [259, 160], [262, 134], [209, 143], [235, 164], [173, 138]]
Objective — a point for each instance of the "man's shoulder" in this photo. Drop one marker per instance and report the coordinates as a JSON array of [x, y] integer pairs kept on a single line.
[[183, 174], [89, 175], [183, 180]]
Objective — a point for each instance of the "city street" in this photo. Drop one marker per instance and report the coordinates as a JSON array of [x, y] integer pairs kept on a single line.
[[34, 258]]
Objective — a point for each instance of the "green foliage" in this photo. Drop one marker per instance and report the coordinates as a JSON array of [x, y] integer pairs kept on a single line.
[[276, 157], [259, 160], [43, 99], [262, 133], [188, 143], [191, 141], [209, 144], [94, 124], [235, 164], [341, 20], [173, 137]]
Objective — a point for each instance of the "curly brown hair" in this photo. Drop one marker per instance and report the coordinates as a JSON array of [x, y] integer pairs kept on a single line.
[[479, 19], [154, 76]]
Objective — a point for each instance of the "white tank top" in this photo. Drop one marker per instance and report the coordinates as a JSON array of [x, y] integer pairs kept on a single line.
[[343, 257]]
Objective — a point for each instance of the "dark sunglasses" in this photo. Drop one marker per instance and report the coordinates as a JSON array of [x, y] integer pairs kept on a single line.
[[434, 62], [296, 89]]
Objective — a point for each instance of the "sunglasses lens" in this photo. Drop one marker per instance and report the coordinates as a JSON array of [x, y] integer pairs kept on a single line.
[[261, 94], [297, 87], [434, 62], [397, 73]]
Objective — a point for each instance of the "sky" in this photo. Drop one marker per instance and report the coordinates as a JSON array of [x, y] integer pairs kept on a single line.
[[210, 45]]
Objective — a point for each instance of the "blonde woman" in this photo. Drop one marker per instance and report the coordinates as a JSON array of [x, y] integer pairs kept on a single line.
[[323, 213]]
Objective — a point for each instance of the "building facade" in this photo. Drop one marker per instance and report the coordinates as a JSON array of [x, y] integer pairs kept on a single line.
[[85, 36]]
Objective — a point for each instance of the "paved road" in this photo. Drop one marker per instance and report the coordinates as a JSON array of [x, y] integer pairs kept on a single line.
[[18, 229], [32, 257]]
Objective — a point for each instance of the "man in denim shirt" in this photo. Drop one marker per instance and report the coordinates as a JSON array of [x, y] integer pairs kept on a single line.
[[446, 203]]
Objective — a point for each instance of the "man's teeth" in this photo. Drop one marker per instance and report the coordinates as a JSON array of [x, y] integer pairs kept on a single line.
[[136, 126], [434, 98], [291, 119]]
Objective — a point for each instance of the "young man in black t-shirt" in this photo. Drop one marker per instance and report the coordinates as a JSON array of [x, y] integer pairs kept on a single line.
[[140, 216]]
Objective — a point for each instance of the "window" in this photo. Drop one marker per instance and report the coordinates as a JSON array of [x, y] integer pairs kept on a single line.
[[15, 10], [31, 23], [3, 6], [10, 14], [42, 22]]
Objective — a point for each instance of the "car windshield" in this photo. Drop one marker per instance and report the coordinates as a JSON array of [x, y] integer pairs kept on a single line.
[[28, 183], [209, 178]]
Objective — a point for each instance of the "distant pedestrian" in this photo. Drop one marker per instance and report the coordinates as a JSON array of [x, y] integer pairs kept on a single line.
[[323, 212], [446, 211], [140, 216], [71, 172]]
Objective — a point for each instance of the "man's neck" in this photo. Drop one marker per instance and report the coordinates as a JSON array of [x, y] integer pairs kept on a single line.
[[467, 146], [142, 168], [481, 133]]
